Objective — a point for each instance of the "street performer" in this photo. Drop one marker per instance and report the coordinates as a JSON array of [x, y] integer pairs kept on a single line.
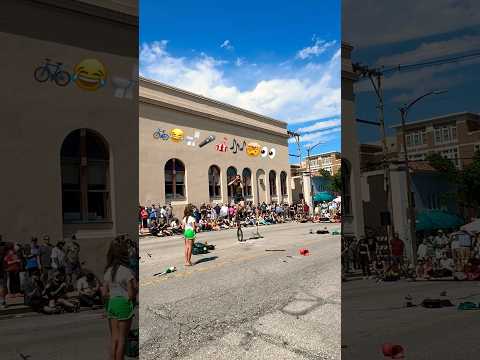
[[238, 198]]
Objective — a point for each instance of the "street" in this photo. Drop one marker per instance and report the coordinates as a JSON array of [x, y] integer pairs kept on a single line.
[[374, 314], [241, 301], [83, 335]]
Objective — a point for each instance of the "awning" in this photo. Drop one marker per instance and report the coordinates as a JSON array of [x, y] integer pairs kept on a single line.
[[437, 219], [323, 196]]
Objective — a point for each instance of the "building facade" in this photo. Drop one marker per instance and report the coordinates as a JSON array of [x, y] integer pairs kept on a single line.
[[352, 206], [191, 147], [330, 161], [69, 150], [454, 136]]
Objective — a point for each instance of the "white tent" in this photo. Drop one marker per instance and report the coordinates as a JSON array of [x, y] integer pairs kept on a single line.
[[474, 226], [338, 199]]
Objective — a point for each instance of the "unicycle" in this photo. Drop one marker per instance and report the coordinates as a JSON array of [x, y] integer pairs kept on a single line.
[[239, 231]]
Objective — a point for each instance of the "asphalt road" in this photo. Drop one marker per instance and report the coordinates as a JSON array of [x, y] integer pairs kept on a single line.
[[79, 336], [245, 303], [375, 313]]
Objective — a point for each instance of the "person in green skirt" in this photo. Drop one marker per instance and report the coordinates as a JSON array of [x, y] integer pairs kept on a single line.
[[189, 227], [119, 290]]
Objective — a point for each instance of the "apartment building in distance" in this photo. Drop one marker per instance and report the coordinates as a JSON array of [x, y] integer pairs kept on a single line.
[[455, 136], [329, 161]]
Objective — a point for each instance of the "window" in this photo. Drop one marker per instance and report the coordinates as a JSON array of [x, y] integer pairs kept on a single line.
[[445, 134], [247, 182], [416, 138], [283, 183], [85, 177], [214, 188], [174, 180], [272, 180], [231, 173], [451, 154]]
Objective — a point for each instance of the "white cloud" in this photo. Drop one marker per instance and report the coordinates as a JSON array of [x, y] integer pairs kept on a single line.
[[319, 125], [319, 47], [227, 45], [372, 22], [305, 93], [431, 50], [239, 61]]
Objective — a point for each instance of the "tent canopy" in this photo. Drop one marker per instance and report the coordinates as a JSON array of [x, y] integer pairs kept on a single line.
[[436, 219], [474, 226], [323, 196]]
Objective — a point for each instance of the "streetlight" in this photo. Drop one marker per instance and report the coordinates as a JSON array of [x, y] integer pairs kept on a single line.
[[411, 210], [309, 150]]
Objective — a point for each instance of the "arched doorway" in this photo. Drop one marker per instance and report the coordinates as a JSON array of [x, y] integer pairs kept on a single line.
[[214, 187], [231, 173], [85, 172], [283, 186], [261, 187], [247, 183], [272, 185]]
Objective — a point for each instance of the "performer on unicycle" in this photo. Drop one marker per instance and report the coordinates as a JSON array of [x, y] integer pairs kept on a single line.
[[238, 199]]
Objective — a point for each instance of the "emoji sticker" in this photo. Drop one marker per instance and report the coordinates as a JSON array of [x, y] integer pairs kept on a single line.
[[272, 153], [90, 74], [206, 141], [264, 151], [223, 147], [253, 149], [176, 135]]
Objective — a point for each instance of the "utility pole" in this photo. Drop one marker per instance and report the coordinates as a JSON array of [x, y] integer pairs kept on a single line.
[[375, 77], [411, 208]]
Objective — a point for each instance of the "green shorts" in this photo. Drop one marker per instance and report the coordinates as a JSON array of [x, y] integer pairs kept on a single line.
[[189, 234], [119, 308]]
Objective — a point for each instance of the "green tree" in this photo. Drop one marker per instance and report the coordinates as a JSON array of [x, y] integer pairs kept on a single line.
[[325, 173], [336, 184], [443, 165], [469, 182]]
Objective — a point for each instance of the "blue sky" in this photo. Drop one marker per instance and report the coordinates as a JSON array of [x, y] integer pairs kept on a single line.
[[418, 37], [277, 58]]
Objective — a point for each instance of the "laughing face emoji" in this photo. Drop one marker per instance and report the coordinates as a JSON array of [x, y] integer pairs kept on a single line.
[[253, 149], [90, 74], [176, 135]]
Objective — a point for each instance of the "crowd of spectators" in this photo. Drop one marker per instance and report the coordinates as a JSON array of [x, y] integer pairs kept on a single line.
[[439, 255], [50, 278], [160, 221]]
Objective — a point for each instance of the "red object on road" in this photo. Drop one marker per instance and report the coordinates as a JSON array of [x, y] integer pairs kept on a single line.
[[393, 351], [304, 252]]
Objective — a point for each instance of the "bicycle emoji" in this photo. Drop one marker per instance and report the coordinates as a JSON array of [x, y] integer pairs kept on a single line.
[[53, 72], [161, 134]]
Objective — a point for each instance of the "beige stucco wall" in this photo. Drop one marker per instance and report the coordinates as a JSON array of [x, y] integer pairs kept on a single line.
[[154, 153], [36, 118]]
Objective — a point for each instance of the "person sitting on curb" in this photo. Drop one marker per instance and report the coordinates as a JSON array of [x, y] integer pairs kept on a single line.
[[88, 288]]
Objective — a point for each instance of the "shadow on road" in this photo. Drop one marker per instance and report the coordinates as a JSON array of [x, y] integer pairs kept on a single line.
[[211, 258]]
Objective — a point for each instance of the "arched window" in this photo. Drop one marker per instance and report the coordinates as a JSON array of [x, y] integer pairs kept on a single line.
[[214, 188], [174, 180], [247, 182], [84, 159], [283, 183], [272, 180], [231, 173]]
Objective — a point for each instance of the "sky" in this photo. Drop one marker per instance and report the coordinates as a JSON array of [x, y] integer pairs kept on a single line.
[[454, 30], [277, 58]]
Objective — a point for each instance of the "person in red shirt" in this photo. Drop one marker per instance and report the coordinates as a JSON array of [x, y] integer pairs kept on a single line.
[[13, 266], [144, 216], [398, 248]]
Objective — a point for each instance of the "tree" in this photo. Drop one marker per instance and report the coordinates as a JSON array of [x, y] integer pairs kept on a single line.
[[325, 173], [469, 182], [336, 184], [443, 165]]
